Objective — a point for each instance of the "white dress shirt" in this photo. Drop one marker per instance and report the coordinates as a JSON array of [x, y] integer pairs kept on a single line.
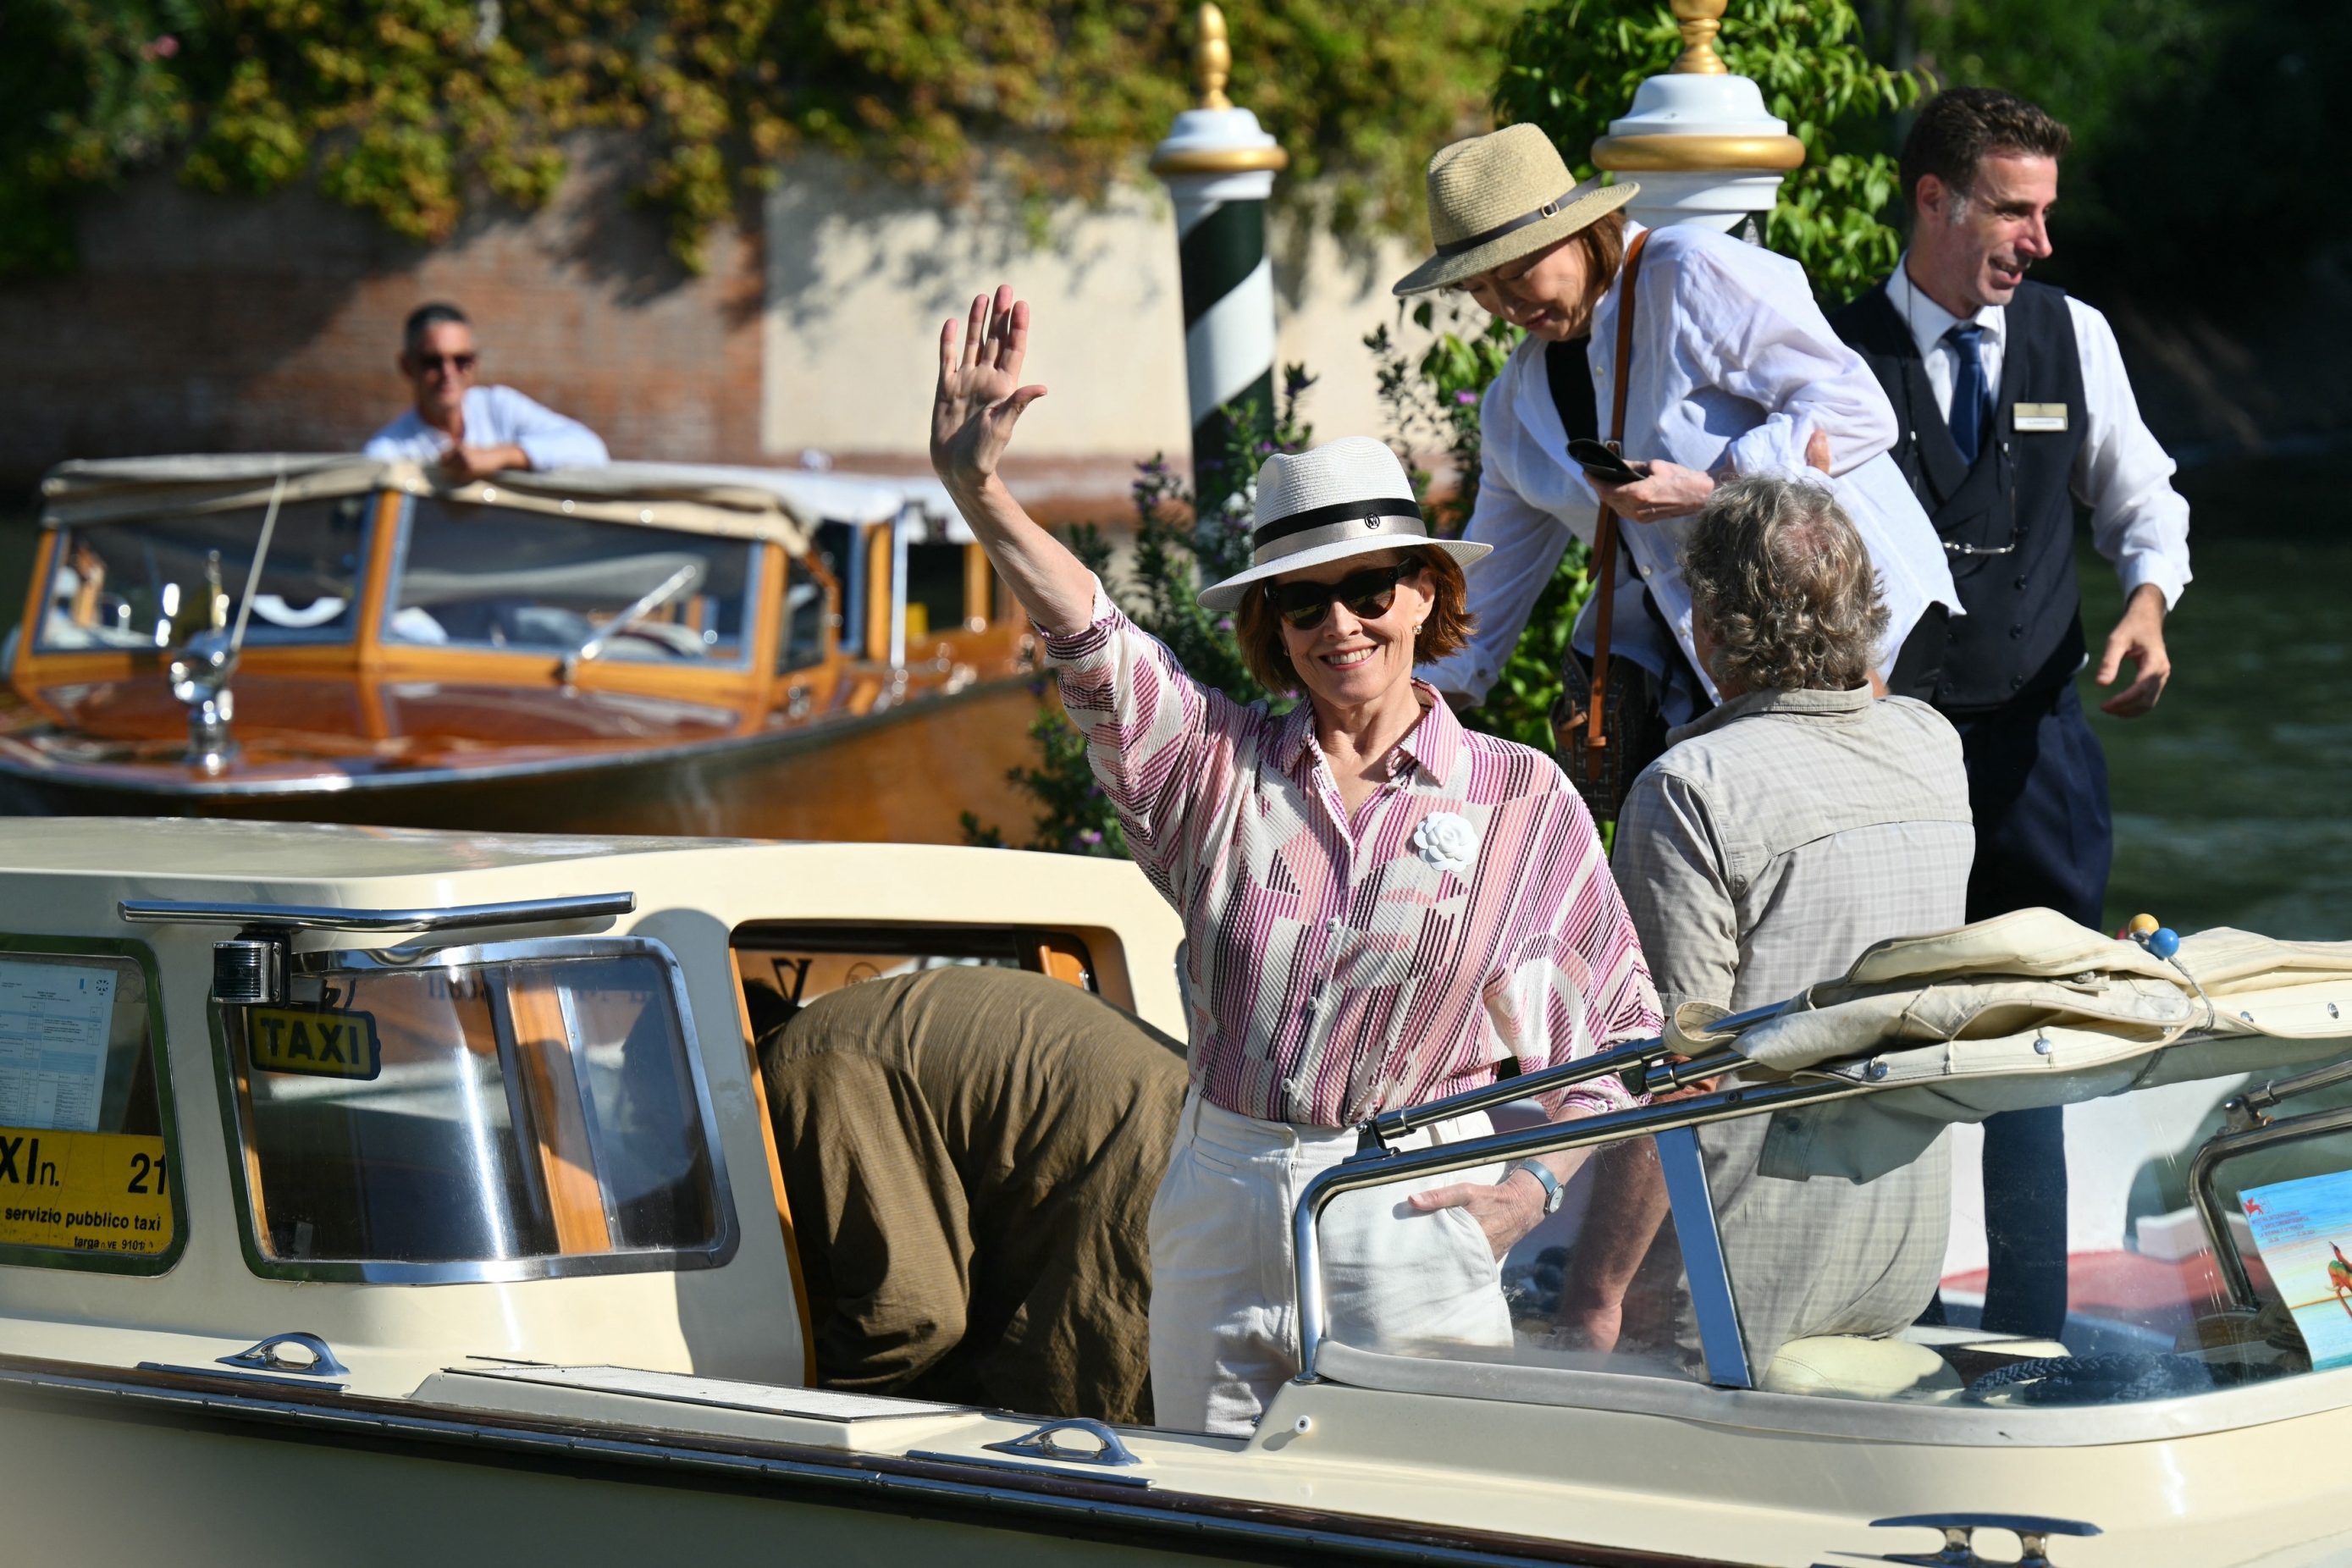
[[497, 417], [2138, 520], [1735, 365]]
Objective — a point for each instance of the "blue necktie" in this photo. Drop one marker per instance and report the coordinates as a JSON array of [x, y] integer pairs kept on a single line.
[[1971, 399]]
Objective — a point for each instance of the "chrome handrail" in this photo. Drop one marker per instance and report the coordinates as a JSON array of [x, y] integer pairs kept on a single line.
[[1378, 1166], [316, 916], [1620, 1060]]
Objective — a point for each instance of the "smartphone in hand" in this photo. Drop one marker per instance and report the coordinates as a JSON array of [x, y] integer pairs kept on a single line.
[[1595, 459]]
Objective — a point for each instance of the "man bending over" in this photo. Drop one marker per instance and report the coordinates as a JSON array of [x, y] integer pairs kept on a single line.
[[970, 1155]]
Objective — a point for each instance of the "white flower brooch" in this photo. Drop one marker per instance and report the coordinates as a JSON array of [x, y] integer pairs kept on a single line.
[[1446, 841]]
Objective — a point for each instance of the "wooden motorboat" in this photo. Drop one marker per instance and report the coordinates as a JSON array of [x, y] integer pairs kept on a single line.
[[377, 1194], [643, 648]]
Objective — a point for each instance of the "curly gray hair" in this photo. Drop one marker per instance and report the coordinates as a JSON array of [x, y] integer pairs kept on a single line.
[[1785, 588]]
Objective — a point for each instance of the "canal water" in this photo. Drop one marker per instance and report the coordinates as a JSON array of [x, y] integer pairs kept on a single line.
[[2230, 798]]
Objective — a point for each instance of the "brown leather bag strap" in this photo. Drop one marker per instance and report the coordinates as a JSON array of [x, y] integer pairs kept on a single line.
[[1604, 540]]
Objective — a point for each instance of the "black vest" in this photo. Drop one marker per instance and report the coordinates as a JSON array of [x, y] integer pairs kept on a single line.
[[2006, 523]]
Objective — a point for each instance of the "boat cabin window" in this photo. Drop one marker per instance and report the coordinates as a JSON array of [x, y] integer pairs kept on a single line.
[[785, 965], [808, 608], [937, 600], [1842, 1249], [88, 1175], [153, 582], [535, 1107], [502, 577]]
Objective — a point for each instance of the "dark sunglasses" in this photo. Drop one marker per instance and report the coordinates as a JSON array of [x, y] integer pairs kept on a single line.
[[1368, 595], [462, 364]]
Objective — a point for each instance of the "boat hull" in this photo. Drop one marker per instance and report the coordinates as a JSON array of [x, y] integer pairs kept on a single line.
[[906, 776], [105, 1465]]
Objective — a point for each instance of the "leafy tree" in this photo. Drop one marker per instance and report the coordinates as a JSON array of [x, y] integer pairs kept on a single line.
[[1573, 65], [2191, 117], [417, 110]]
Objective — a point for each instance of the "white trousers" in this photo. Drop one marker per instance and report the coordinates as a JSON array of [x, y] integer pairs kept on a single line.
[[1225, 1307]]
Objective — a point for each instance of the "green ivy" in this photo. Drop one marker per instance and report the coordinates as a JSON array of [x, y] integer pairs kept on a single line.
[[1573, 65], [418, 110]]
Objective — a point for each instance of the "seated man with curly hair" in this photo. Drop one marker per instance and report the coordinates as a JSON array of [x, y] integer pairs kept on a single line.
[[1784, 832]]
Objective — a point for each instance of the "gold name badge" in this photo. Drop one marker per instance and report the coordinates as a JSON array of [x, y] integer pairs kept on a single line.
[[2028, 417], [319, 1041]]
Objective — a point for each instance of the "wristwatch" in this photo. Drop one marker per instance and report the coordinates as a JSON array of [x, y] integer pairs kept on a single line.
[[1553, 1191]]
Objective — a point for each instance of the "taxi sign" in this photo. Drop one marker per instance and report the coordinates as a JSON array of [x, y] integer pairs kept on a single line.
[[323, 1042], [89, 1192]]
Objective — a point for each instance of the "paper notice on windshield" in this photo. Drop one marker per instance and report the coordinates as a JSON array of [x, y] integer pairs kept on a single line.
[[2304, 1231], [54, 1019]]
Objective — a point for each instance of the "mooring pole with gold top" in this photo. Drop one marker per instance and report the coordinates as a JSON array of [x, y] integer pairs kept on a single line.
[[1699, 139], [1220, 166]]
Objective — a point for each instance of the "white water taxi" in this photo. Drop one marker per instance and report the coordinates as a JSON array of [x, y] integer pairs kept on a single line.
[[374, 1196]]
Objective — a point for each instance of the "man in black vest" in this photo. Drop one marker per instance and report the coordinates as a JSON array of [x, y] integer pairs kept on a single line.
[[2014, 407]]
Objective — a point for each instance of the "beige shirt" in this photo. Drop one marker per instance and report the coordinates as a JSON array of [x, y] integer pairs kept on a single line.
[[1785, 832], [1780, 836]]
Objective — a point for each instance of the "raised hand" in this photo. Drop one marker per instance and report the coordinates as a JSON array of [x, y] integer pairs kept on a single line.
[[980, 396]]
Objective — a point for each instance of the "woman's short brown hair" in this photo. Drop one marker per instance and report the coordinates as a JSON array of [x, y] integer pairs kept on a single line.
[[1258, 628], [1603, 240]]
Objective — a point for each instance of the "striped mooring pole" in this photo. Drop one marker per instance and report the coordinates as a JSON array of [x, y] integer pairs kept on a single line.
[[1220, 168]]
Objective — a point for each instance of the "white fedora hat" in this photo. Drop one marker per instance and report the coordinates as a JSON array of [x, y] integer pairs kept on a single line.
[[1348, 497]]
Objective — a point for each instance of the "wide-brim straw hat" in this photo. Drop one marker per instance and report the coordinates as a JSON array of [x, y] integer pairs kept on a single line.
[[1348, 497], [1493, 199]]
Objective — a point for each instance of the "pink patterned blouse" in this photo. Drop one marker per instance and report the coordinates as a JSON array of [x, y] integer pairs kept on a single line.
[[1336, 970]]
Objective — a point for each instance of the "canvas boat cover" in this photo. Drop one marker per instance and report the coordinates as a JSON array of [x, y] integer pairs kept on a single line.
[[736, 502], [2026, 1009]]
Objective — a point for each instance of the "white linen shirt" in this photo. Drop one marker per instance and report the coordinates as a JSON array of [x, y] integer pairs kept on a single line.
[[2138, 520], [497, 417], [1737, 364]]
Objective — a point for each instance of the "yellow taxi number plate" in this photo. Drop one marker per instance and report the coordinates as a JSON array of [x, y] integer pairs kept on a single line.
[[319, 1041], [89, 1192]]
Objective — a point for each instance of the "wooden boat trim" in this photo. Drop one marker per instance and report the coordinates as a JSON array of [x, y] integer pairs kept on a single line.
[[20, 760], [1004, 1496]]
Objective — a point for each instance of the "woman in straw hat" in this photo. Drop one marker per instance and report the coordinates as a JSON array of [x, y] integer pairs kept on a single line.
[[1734, 371], [1378, 906]]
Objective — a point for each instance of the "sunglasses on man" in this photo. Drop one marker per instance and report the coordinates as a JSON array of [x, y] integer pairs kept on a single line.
[[1366, 594], [457, 364]]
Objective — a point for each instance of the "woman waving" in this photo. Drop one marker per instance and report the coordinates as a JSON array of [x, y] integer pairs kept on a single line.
[[1378, 906]]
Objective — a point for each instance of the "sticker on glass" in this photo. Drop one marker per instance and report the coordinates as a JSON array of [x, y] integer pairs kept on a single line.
[[323, 1042], [2302, 1230], [54, 1019], [84, 1192]]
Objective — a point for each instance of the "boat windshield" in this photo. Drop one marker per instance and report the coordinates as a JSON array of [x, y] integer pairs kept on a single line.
[[2195, 1240], [493, 577], [152, 582], [487, 1112]]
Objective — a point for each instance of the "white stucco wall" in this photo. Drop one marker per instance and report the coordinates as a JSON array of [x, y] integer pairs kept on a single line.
[[859, 279]]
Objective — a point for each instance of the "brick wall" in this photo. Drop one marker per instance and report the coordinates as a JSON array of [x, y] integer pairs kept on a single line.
[[206, 324]]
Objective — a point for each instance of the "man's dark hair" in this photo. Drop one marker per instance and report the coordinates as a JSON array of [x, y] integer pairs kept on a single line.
[[423, 319], [1957, 128]]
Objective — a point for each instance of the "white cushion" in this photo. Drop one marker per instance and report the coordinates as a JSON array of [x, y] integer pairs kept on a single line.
[[1857, 1368]]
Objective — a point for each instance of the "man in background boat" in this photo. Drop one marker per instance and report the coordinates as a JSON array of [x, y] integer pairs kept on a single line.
[[1784, 832], [2014, 405], [473, 431], [970, 1156]]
